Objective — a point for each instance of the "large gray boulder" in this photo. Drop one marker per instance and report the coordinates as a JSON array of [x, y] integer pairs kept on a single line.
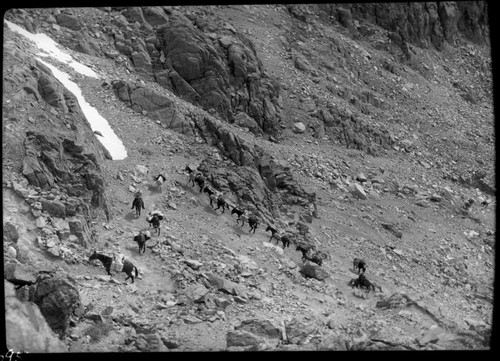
[[196, 292], [26, 328], [298, 331], [58, 297], [312, 270], [10, 233], [68, 21], [255, 334], [53, 207], [225, 285]]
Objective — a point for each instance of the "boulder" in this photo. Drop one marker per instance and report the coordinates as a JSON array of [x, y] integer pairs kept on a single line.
[[10, 233], [261, 334], [54, 208], [60, 224], [155, 15], [36, 212], [274, 247], [361, 178], [312, 270], [142, 62], [261, 328], [57, 297], [79, 227], [299, 332], [475, 325], [436, 197], [133, 14], [299, 127], [11, 252], [242, 339], [223, 284], [396, 300], [222, 302], [68, 21], [245, 121], [40, 222], [26, 329], [358, 191], [142, 169], [24, 252], [19, 274], [194, 264], [196, 292], [246, 263], [150, 343], [301, 63]]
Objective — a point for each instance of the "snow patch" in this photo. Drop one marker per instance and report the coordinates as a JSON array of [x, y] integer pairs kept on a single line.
[[109, 139], [50, 49]]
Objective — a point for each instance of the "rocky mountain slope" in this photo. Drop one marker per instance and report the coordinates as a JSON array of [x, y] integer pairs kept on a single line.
[[362, 130]]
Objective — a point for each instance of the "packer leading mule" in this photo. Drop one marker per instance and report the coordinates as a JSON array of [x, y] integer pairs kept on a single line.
[[138, 203]]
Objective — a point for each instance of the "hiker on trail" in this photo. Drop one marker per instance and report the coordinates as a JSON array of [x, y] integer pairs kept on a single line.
[[138, 203]]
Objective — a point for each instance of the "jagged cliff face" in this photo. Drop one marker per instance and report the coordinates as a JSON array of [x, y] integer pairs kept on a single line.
[[190, 57], [424, 24], [48, 139], [264, 109]]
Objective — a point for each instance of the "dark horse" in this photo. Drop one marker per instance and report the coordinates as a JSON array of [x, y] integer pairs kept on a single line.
[[200, 180], [305, 255], [363, 282], [211, 195], [221, 202], [138, 203], [237, 211], [285, 238], [141, 239], [155, 222], [273, 231], [253, 222], [128, 267]]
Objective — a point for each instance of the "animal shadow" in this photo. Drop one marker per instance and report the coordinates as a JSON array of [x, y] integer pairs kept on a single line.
[[130, 216], [154, 189], [240, 230], [208, 208]]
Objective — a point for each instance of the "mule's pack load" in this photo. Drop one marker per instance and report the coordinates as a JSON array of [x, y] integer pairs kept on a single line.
[[160, 177], [117, 264], [157, 212]]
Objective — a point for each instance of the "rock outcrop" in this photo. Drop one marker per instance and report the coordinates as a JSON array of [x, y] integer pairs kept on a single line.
[[422, 24], [255, 334], [158, 107], [310, 269], [61, 150], [57, 297], [26, 328], [210, 67]]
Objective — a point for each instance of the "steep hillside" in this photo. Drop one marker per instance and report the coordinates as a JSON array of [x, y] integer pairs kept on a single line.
[[361, 130]]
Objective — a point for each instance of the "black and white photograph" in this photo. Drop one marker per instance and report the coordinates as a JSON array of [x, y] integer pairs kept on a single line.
[[248, 177]]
